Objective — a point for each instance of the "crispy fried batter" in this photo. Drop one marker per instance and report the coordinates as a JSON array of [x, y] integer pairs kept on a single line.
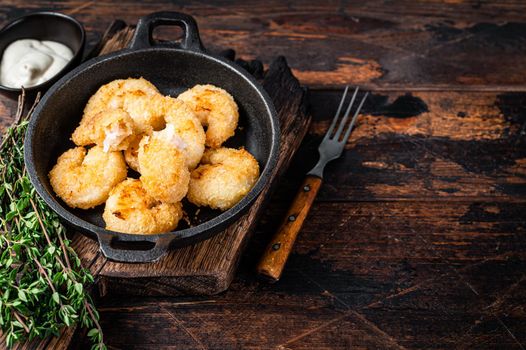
[[131, 209], [112, 129], [182, 121], [85, 180], [224, 178], [111, 94], [138, 97], [162, 164], [216, 109], [146, 111]]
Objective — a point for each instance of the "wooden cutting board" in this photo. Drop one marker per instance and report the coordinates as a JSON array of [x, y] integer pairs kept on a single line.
[[207, 267]]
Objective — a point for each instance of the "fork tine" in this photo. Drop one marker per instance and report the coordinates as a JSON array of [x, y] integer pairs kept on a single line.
[[348, 132], [333, 123], [346, 116]]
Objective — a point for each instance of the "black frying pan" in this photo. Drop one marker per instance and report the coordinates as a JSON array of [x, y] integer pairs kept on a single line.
[[172, 67]]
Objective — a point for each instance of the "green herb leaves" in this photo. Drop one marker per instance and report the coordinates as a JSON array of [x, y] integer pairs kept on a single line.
[[41, 278]]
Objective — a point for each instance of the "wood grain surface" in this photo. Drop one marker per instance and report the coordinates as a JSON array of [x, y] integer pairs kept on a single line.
[[389, 44], [417, 238]]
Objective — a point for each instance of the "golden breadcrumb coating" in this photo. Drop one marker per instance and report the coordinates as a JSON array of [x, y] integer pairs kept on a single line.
[[216, 109], [146, 111], [162, 164], [129, 94], [131, 209], [112, 129], [224, 177], [183, 122], [111, 95], [84, 180]]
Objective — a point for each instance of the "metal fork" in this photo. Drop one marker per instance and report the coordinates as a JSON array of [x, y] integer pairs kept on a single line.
[[273, 260]]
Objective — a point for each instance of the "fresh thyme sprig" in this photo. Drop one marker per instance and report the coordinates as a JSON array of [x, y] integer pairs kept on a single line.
[[41, 277]]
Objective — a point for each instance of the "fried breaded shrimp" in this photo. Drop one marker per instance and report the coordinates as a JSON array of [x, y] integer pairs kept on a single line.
[[138, 97], [224, 178], [131, 209], [162, 164], [216, 109], [182, 121], [111, 95], [85, 180], [146, 111], [112, 129]]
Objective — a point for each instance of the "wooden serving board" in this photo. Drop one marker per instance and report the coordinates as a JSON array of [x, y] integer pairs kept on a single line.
[[207, 267]]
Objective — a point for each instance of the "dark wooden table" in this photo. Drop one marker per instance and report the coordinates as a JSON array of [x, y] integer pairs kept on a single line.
[[418, 236]]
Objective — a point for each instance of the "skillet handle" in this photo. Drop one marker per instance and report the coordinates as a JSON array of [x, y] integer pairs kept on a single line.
[[108, 245], [143, 33]]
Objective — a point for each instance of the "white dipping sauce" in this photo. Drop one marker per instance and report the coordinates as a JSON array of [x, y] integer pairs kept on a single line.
[[29, 62]]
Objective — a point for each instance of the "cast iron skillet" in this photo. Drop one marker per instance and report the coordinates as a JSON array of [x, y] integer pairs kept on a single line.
[[172, 67]]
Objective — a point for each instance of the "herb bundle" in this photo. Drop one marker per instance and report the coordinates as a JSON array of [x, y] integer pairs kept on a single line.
[[41, 277]]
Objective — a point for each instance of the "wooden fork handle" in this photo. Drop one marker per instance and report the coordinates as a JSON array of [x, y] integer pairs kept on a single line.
[[273, 260]]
